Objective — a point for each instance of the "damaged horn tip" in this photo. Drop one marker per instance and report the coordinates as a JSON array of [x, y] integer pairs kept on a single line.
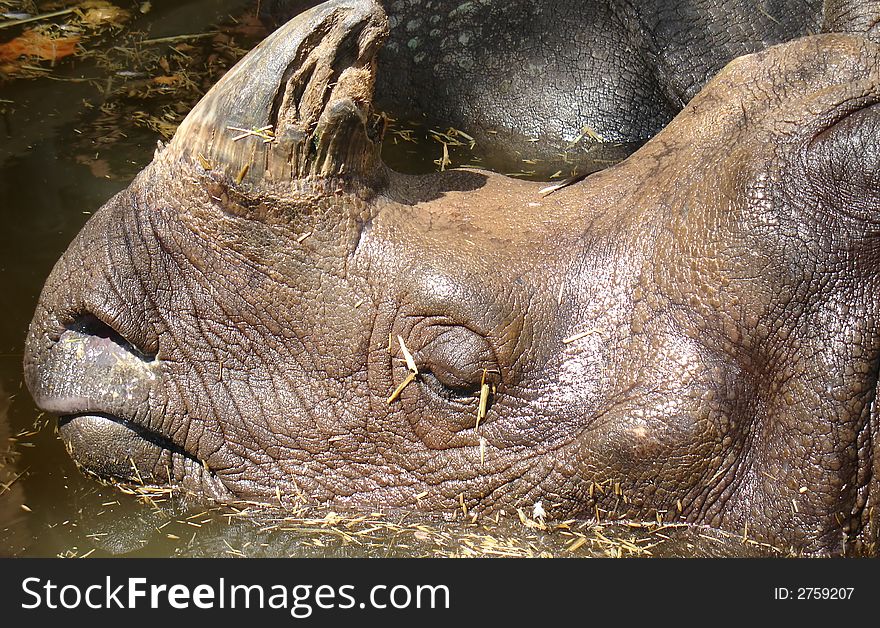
[[298, 105]]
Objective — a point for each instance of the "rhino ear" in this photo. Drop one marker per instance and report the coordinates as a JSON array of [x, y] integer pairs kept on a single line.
[[298, 106]]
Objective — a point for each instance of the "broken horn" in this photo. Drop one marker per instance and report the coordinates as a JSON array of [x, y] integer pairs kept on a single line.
[[298, 106]]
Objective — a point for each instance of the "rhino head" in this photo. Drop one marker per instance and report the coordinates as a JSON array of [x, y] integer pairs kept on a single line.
[[268, 312]]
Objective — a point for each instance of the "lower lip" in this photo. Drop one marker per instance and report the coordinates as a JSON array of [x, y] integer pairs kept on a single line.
[[113, 448]]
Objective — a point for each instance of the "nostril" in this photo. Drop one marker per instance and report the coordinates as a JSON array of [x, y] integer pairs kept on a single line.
[[91, 325]]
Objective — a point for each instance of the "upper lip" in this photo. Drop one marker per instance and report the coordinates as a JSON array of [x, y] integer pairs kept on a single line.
[[84, 373]]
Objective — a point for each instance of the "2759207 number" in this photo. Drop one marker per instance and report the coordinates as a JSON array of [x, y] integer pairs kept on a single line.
[[824, 593]]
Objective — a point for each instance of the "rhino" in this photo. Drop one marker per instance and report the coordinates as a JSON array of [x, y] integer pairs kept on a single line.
[[270, 313]]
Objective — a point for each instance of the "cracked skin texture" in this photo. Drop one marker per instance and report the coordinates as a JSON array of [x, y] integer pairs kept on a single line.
[[694, 330], [526, 78]]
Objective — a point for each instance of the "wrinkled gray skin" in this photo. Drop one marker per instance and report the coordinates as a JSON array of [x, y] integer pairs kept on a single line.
[[694, 330], [526, 79]]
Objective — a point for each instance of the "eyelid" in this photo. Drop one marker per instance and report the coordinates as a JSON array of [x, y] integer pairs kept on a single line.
[[457, 357], [452, 393], [452, 377]]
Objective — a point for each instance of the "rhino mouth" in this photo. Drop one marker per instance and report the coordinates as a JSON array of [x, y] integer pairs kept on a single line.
[[103, 387]]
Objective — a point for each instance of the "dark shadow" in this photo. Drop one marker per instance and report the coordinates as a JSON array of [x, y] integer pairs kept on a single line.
[[408, 189]]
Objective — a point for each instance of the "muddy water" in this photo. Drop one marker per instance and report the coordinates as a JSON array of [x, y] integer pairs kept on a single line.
[[52, 175]]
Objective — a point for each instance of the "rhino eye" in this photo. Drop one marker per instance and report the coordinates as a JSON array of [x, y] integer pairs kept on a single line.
[[456, 358]]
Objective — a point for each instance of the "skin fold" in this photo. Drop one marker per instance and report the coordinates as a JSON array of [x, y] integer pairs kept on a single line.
[[691, 334]]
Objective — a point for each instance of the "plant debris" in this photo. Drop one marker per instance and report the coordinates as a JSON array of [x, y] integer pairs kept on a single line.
[[138, 81], [36, 45], [45, 37]]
